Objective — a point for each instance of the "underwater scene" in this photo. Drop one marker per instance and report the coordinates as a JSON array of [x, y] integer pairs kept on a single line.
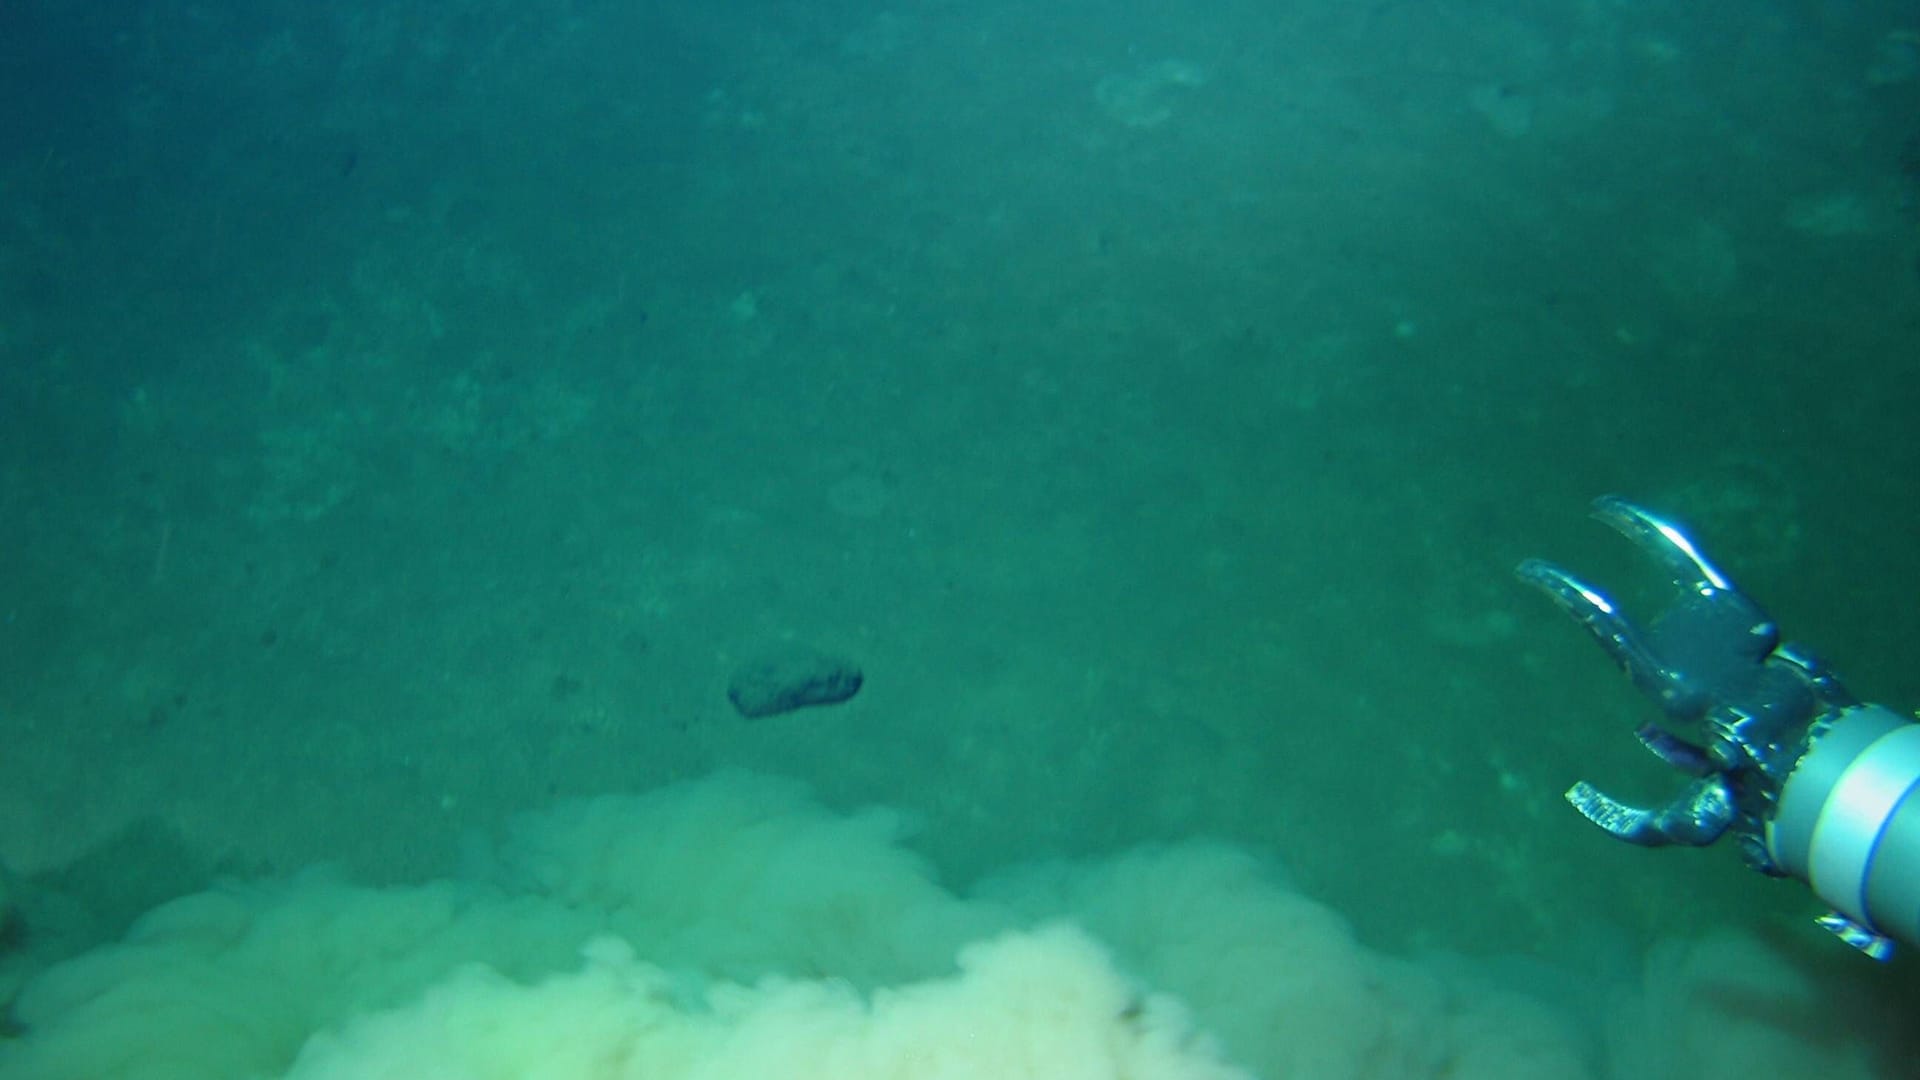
[[918, 538]]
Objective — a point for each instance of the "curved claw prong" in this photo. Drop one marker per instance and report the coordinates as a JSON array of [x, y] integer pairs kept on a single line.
[[1575, 597], [1697, 818], [1591, 609], [1685, 564], [1674, 750]]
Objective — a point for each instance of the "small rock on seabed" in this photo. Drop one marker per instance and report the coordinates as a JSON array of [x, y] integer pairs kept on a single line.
[[791, 678]]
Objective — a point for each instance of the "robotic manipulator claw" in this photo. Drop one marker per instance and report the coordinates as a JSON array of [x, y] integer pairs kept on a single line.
[[1812, 784]]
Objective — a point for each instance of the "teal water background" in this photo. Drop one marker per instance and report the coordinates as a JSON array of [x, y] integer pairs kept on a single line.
[[410, 414]]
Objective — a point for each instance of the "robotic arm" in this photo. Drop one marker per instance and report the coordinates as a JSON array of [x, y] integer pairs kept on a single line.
[[1812, 783]]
